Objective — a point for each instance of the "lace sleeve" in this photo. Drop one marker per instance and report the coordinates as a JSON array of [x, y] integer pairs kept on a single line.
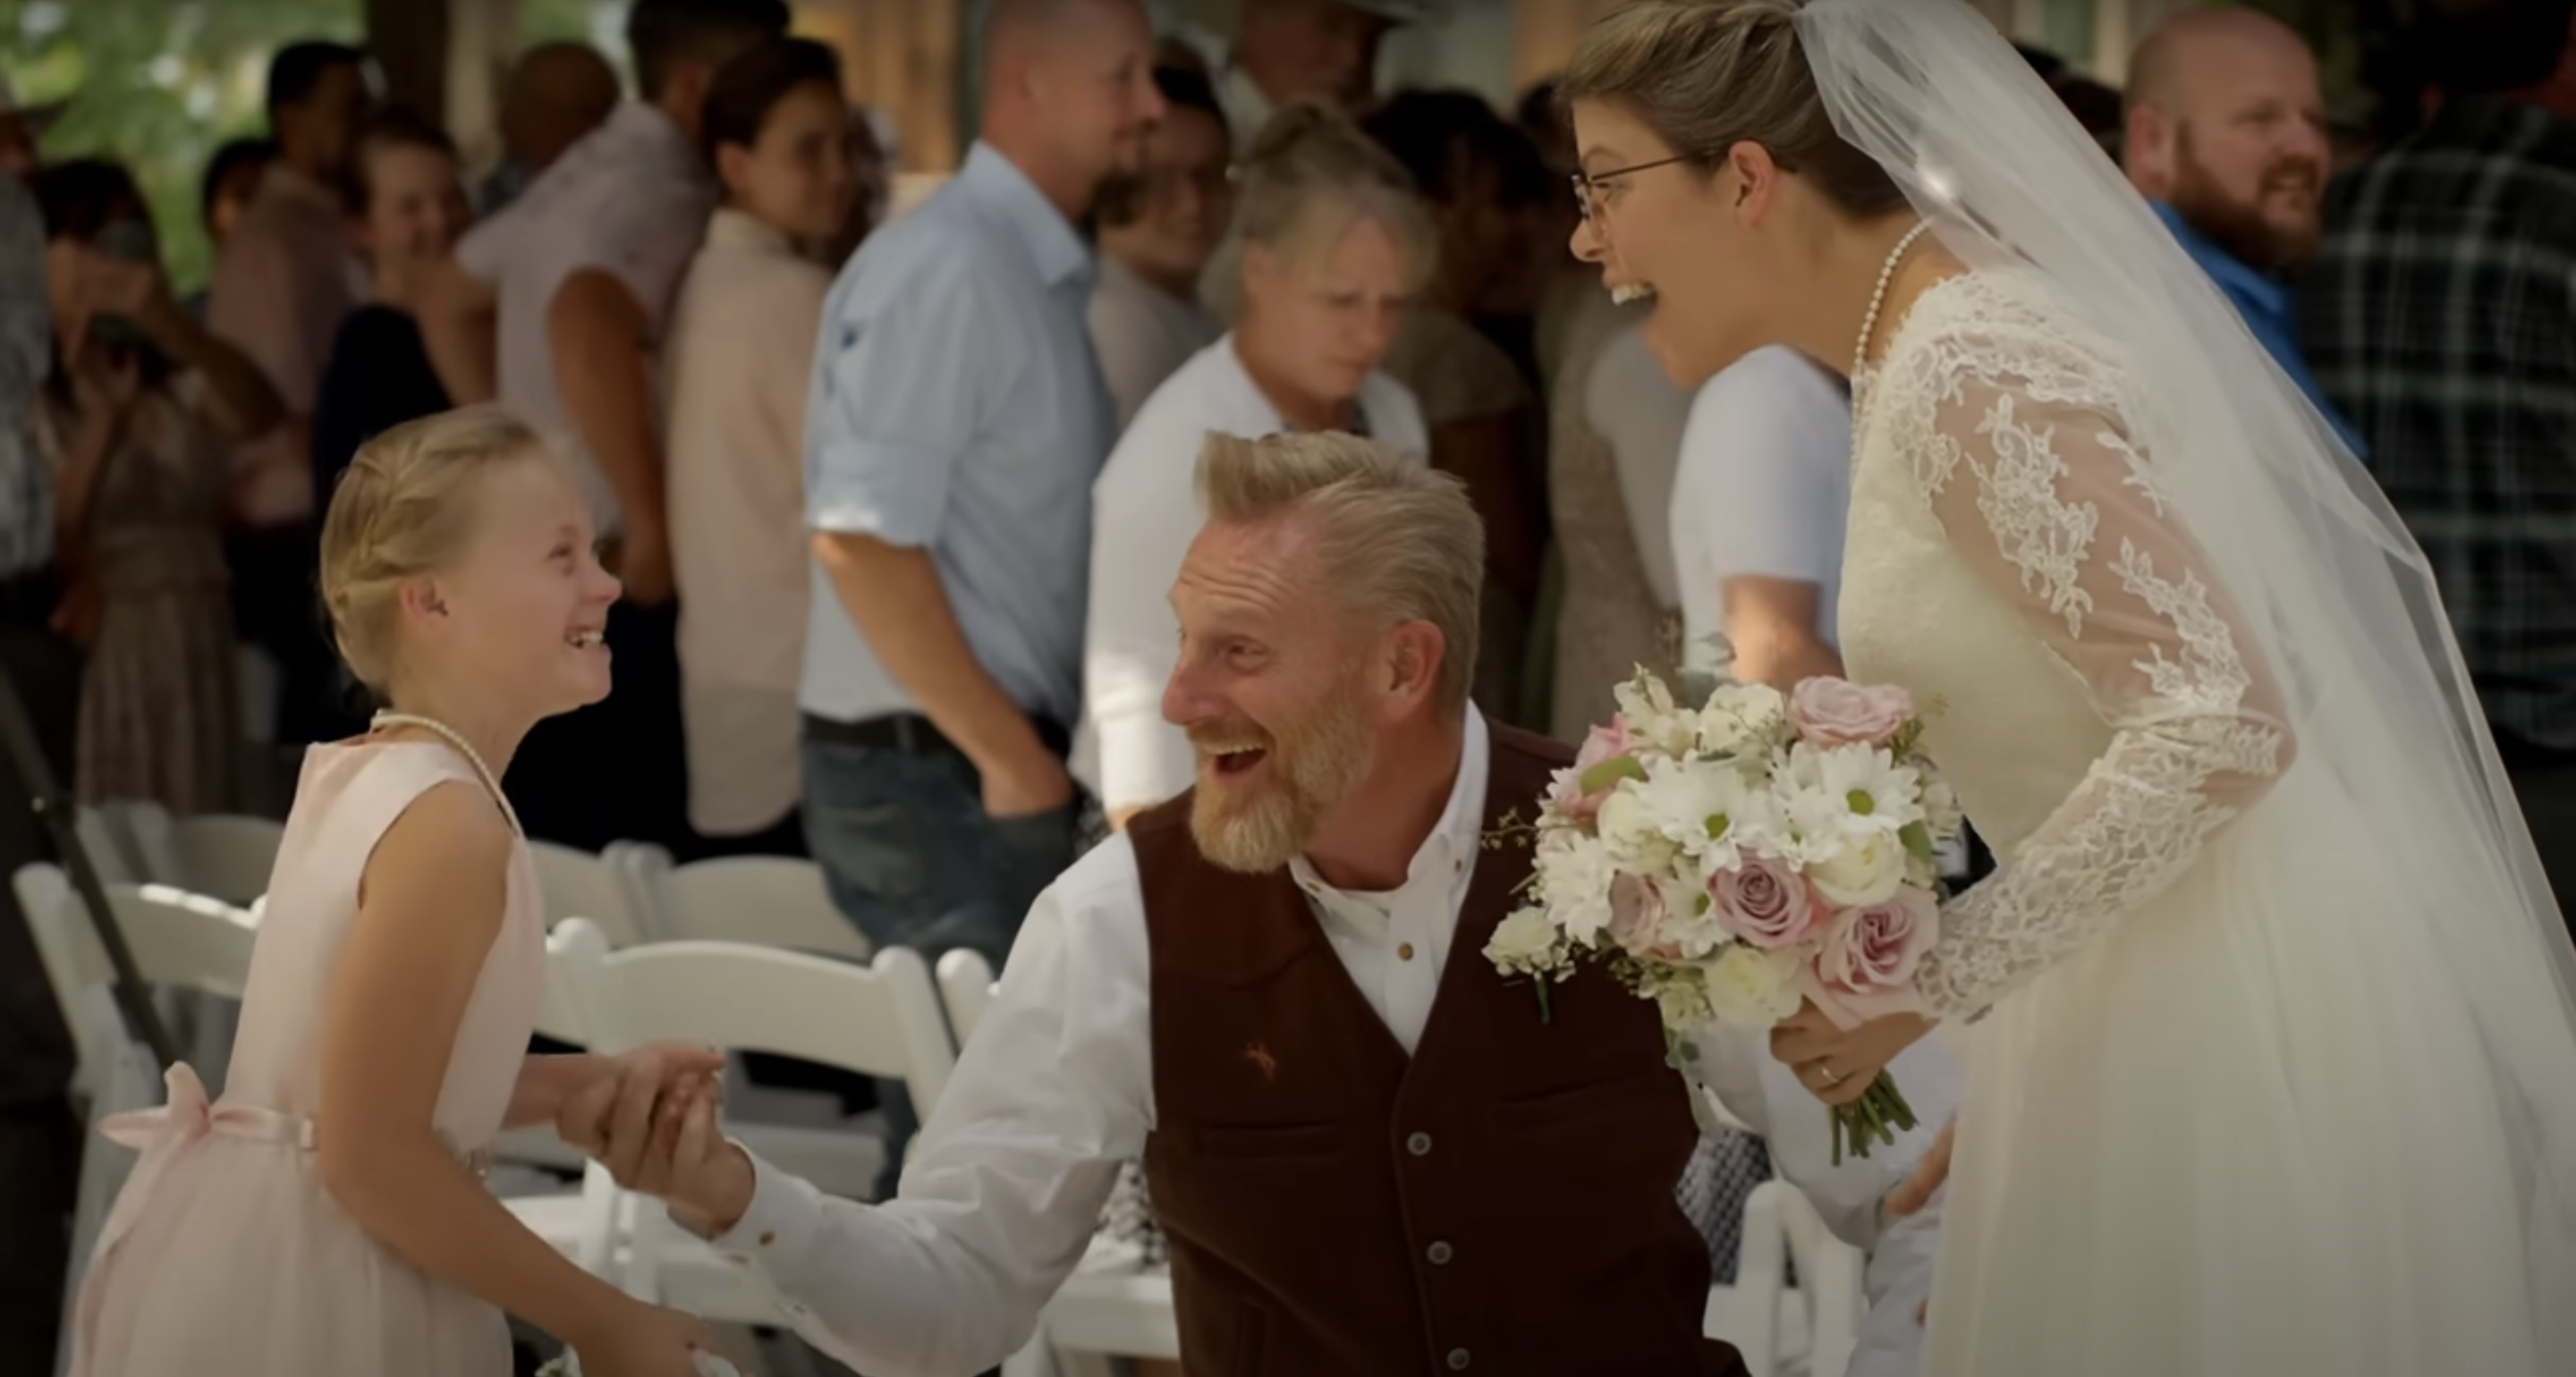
[[2027, 463]]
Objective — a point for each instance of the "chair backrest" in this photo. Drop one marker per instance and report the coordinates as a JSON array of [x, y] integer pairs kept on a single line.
[[145, 829], [966, 987], [572, 947], [578, 884], [107, 853], [227, 856], [179, 939], [879, 1019], [762, 901], [41, 890]]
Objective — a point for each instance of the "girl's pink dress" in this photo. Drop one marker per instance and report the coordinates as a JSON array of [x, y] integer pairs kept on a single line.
[[224, 1254]]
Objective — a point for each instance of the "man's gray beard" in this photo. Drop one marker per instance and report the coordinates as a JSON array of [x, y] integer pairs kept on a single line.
[[1313, 773]]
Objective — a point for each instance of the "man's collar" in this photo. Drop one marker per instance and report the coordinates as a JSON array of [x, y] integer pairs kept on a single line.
[[1059, 252], [1455, 839]]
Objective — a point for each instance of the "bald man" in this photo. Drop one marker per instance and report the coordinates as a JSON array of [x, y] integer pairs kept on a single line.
[[2227, 137], [558, 93]]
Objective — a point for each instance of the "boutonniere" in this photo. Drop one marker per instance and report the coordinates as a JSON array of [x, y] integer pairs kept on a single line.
[[1525, 942]]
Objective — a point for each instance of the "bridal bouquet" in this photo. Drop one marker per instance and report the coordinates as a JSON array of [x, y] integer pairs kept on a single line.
[[1727, 861]]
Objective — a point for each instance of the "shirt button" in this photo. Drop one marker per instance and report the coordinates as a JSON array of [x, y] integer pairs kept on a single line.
[[1457, 1360], [1404, 952], [768, 1237], [1419, 1144], [1439, 1253]]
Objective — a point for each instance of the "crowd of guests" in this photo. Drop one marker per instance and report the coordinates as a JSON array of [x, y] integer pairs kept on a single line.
[[897, 506]]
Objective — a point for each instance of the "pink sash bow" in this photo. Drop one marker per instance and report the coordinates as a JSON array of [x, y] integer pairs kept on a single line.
[[164, 1136]]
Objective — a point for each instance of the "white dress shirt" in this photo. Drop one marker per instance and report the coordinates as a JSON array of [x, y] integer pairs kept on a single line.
[[630, 199], [1763, 490], [1145, 513], [1004, 1187], [1005, 1184]]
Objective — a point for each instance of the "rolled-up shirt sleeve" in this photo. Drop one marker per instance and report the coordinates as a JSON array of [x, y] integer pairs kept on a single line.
[[1005, 1186], [902, 372]]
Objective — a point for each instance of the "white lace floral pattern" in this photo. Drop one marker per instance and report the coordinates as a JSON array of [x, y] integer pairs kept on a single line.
[[2018, 430]]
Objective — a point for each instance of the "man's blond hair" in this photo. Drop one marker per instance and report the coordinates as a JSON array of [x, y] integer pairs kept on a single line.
[[1400, 542]]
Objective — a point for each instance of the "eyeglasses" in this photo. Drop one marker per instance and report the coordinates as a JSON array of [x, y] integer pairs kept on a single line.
[[1588, 186]]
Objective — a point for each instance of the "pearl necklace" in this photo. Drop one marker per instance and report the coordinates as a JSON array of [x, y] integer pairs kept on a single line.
[[454, 738], [1878, 299]]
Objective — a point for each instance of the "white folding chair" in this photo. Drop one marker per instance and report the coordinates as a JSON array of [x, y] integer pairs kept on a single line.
[[179, 941], [966, 987], [228, 856], [99, 836], [577, 884], [586, 1222], [881, 1020], [763, 901]]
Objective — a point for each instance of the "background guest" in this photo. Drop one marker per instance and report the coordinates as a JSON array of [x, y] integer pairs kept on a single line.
[[2227, 136], [956, 423], [2439, 317], [583, 269], [739, 360], [1310, 50], [1157, 231], [232, 179], [407, 208], [557, 94], [1480, 407], [134, 420], [1334, 242], [283, 282], [1616, 430]]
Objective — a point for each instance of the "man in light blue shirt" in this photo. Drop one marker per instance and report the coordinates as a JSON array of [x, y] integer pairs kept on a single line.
[[956, 423], [2227, 137]]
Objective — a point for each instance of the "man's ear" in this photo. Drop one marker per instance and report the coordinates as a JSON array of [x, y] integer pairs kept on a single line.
[[1415, 651]]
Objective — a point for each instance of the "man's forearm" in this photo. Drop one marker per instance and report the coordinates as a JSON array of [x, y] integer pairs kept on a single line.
[[597, 332], [896, 598]]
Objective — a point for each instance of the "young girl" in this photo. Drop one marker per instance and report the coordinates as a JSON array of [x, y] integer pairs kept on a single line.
[[325, 1217]]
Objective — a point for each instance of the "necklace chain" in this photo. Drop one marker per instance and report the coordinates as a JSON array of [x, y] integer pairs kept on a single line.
[[454, 738], [1878, 298]]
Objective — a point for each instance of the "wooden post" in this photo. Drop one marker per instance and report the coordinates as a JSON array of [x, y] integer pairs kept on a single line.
[[905, 57]]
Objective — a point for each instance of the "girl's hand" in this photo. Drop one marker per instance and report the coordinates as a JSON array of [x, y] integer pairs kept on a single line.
[[106, 383]]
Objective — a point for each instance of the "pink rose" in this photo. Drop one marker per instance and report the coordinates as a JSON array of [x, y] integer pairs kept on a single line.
[[1865, 969], [1767, 903], [1637, 919], [1604, 744], [1838, 712]]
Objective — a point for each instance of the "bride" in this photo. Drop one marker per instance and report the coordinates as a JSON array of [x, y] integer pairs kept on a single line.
[[2267, 1008]]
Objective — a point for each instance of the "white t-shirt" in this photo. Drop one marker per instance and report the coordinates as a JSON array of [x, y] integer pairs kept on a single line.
[[1762, 491], [1145, 513]]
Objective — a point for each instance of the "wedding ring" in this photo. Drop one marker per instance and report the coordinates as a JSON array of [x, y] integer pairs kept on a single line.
[[1826, 1070]]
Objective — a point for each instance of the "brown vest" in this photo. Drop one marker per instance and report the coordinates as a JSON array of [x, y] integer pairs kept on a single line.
[[1499, 1202]]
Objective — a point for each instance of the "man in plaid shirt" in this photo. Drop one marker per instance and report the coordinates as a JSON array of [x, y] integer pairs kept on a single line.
[[2440, 316]]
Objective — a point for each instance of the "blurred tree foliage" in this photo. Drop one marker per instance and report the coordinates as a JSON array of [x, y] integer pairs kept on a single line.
[[157, 85]]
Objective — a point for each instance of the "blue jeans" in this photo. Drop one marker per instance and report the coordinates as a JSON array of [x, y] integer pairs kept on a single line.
[[911, 859]]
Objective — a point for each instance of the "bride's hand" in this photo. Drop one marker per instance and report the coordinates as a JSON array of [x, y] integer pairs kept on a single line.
[[646, 1341], [1838, 1064]]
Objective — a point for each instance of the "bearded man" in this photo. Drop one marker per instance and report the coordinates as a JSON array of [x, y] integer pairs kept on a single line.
[[2227, 137], [1372, 1155]]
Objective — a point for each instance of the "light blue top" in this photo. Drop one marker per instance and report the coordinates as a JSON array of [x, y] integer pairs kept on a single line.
[[957, 407], [2268, 308]]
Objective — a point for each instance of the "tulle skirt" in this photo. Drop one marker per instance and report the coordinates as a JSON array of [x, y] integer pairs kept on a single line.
[[2253, 1132], [241, 1263]]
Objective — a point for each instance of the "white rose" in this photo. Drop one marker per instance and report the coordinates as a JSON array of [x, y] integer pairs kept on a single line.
[[1751, 988], [1525, 941], [1629, 834], [1863, 870], [1741, 716]]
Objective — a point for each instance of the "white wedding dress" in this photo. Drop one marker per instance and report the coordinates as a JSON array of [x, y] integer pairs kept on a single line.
[[2204, 1134]]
